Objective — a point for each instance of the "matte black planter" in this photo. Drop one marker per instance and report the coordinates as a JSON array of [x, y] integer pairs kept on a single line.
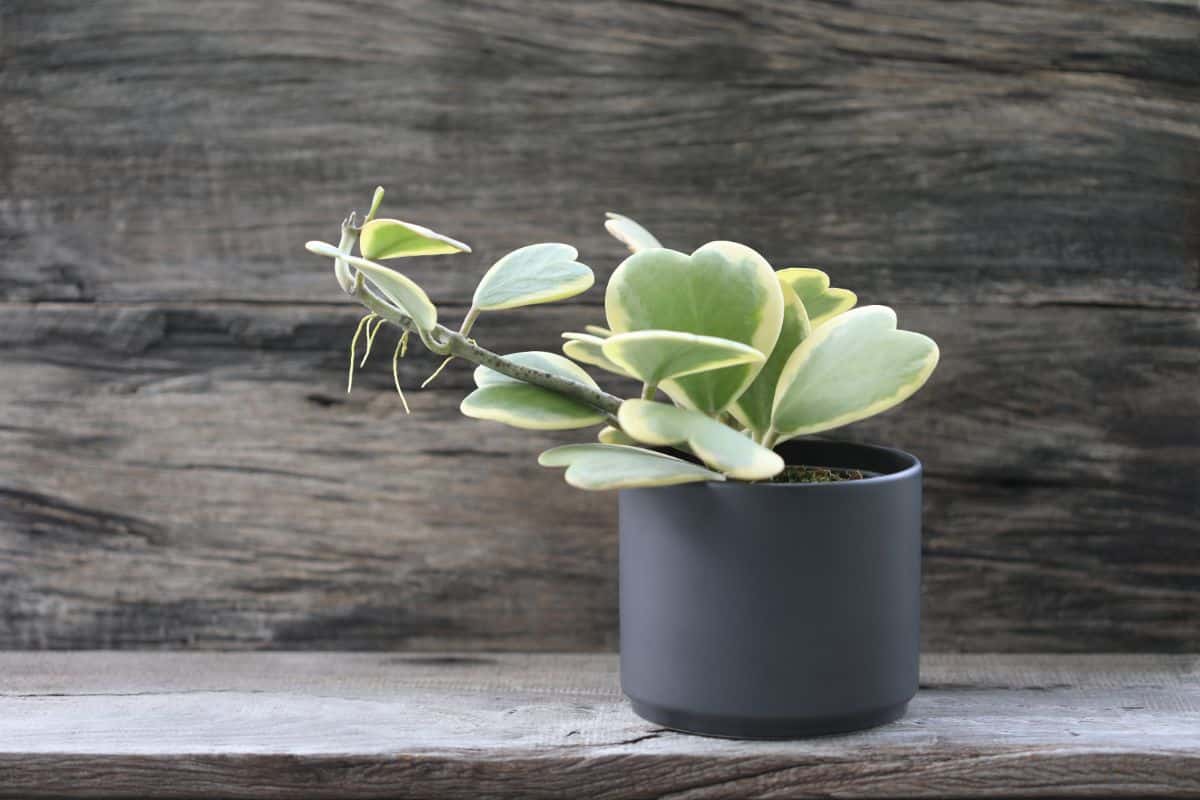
[[775, 610]]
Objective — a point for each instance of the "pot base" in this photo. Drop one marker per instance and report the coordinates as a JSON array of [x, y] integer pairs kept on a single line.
[[749, 728]]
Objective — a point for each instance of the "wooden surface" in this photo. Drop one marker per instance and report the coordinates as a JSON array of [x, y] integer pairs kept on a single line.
[[471, 725], [180, 468]]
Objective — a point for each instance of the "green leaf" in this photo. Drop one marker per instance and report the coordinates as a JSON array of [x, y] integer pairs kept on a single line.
[[536, 359], [629, 232], [753, 407], [610, 435], [717, 445], [537, 273], [812, 287], [723, 289], [604, 466], [341, 270], [655, 356], [589, 349], [392, 238], [598, 330], [399, 289], [500, 398], [850, 368], [523, 405]]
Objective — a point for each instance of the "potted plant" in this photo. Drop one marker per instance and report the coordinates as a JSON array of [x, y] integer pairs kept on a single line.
[[769, 583]]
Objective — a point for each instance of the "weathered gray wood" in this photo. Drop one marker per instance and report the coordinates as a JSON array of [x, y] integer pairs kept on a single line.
[[194, 476], [447, 725], [984, 151], [178, 466]]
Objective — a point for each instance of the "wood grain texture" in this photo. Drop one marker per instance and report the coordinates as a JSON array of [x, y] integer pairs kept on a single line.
[[984, 150], [517, 725], [179, 466], [195, 476]]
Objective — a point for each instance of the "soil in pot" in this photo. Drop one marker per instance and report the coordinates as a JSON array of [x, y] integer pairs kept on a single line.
[[803, 473]]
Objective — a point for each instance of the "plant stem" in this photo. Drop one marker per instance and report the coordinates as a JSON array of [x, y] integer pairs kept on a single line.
[[648, 390], [447, 342], [770, 438], [464, 348]]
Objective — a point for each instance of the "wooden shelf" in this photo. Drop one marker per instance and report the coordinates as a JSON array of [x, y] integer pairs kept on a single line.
[[273, 725]]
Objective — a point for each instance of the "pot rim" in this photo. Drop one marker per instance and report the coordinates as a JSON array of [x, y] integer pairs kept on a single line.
[[913, 469]]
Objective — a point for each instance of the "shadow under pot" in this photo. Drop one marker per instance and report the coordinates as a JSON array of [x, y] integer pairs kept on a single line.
[[775, 610]]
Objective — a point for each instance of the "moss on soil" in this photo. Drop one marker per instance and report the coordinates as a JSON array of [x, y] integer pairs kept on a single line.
[[803, 474]]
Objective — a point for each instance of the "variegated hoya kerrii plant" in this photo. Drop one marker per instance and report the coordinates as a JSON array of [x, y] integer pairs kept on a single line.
[[748, 356]]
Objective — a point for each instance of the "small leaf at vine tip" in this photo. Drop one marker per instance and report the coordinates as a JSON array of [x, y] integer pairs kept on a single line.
[[376, 202], [850, 368], [753, 406], [714, 443], [629, 232], [399, 289], [588, 349], [610, 435], [598, 330], [341, 270], [536, 273], [596, 467], [722, 289], [655, 356], [812, 287], [535, 359], [393, 238], [523, 405]]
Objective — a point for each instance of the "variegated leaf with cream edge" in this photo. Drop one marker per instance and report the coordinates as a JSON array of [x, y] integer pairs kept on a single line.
[[399, 289], [588, 349], [655, 356], [820, 301], [723, 289], [753, 406], [852, 367], [597, 467], [629, 232], [536, 273], [393, 238], [610, 435], [500, 398], [714, 443]]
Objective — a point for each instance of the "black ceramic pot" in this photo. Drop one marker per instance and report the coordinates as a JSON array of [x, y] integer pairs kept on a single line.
[[775, 610]]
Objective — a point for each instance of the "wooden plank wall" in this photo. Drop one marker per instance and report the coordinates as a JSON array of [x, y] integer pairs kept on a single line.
[[179, 465]]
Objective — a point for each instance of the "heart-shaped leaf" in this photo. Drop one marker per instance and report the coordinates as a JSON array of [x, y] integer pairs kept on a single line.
[[399, 289], [629, 232], [854, 366], [536, 273], [588, 349], [812, 287], [605, 466], [393, 238], [717, 445], [753, 406], [655, 356], [723, 289], [523, 405], [500, 398]]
